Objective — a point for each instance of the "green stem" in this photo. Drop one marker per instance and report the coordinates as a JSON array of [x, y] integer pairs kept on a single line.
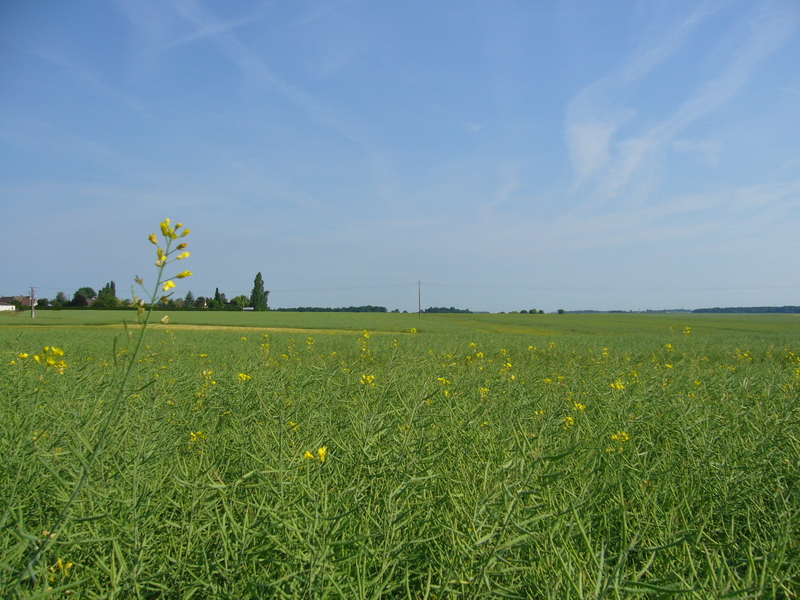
[[36, 556]]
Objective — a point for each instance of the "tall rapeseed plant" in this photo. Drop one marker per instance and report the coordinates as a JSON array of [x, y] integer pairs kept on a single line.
[[173, 249]]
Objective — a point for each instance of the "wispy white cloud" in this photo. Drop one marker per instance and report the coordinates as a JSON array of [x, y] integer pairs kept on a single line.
[[592, 118], [606, 162], [222, 34], [508, 185], [589, 143], [191, 22]]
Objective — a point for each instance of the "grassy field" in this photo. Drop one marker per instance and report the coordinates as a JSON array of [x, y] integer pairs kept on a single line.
[[336, 455], [584, 324]]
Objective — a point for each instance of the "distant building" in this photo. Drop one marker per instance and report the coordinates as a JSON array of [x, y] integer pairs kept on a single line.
[[6, 306], [23, 300]]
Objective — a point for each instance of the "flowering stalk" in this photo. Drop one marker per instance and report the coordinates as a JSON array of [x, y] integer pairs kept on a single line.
[[164, 257]]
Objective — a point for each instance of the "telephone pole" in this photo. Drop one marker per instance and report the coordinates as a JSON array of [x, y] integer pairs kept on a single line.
[[33, 301], [419, 299]]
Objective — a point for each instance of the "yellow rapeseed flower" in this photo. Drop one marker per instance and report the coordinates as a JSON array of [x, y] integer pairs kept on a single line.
[[183, 274], [308, 455], [322, 453], [168, 285], [243, 377], [152, 238], [182, 255], [620, 436], [166, 230], [64, 567]]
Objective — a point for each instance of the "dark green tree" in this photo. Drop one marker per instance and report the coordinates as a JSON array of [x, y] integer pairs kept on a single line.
[[240, 301], [82, 296], [258, 297], [107, 298], [219, 301], [189, 299], [61, 299]]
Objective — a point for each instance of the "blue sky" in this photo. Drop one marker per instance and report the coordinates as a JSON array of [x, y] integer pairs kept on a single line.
[[508, 155]]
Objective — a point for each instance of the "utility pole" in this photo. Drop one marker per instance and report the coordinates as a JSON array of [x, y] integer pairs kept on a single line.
[[33, 299], [419, 298]]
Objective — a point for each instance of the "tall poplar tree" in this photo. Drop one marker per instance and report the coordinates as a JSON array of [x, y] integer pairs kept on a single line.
[[258, 297]]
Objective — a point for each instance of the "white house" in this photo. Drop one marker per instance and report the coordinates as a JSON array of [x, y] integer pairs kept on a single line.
[[7, 306]]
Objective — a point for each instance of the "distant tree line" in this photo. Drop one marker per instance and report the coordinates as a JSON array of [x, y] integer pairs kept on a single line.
[[442, 309], [751, 309], [86, 297]]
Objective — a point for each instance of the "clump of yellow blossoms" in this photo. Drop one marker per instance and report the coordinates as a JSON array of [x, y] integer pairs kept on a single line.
[[176, 251], [619, 438], [196, 437], [243, 377], [321, 454], [60, 568], [51, 357]]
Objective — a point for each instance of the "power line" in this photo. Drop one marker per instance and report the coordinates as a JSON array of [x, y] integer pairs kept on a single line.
[[619, 289]]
